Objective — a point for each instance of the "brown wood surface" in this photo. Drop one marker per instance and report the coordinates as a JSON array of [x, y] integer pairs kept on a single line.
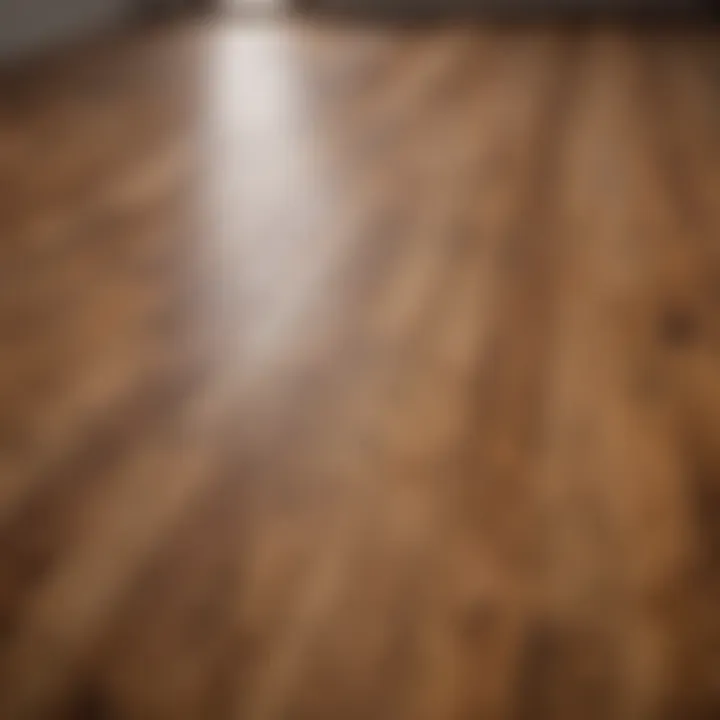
[[362, 373]]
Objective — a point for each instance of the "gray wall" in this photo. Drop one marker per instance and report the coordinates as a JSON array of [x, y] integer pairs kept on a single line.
[[31, 25]]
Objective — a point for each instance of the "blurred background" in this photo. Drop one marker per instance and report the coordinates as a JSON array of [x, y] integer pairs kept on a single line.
[[33, 24], [359, 360]]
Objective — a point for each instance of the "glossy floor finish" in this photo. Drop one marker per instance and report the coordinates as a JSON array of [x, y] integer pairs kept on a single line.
[[362, 373]]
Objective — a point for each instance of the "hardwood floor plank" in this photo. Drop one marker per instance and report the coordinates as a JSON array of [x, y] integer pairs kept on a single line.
[[361, 372]]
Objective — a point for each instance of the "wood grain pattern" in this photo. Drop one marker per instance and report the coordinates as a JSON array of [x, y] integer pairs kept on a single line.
[[362, 373]]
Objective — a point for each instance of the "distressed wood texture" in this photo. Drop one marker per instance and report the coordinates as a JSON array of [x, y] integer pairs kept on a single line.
[[362, 373]]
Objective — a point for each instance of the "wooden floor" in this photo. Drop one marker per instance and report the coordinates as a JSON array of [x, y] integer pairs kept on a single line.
[[359, 373]]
